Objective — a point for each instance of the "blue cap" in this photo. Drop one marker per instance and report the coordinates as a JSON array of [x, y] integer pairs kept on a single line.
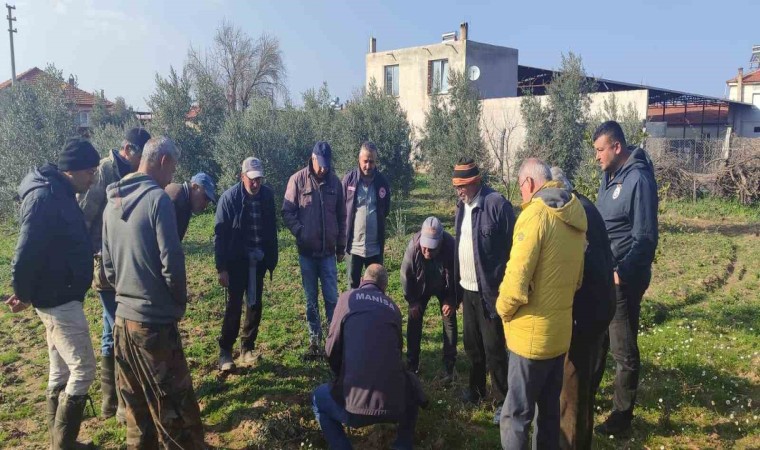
[[201, 179], [323, 152]]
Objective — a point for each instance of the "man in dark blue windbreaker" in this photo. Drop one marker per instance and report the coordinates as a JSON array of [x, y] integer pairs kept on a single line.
[[627, 201]]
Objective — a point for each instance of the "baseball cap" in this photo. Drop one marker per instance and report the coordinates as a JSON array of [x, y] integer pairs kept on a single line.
[[138, 137], [252, 168], [432, 233], [323, 152], [201, 179]]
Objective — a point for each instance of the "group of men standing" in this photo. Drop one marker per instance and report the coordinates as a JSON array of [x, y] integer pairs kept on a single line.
[[537, 292]]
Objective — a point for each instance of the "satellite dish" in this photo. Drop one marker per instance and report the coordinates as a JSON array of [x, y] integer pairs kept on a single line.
[[473, 73]]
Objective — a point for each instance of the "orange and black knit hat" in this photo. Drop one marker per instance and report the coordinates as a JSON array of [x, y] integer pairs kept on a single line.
[[466, 172]]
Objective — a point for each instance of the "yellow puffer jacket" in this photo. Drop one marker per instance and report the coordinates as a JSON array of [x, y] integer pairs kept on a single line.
[[545, 269]]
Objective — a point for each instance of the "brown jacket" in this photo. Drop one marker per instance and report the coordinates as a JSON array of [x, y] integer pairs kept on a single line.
[[315, 213]]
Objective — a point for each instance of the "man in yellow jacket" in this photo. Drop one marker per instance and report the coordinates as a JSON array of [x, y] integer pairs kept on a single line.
[[535, 303]]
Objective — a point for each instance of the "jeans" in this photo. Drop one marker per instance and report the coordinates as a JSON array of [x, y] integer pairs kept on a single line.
[[238, 279], [414, 336], [355, 264], [72, 359], [313, 271], [624, 346], [579, 385], [485, 347], [332, 416], [108, 300], [532, 382]]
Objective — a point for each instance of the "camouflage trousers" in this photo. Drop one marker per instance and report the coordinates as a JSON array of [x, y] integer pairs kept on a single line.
[[154, 380]]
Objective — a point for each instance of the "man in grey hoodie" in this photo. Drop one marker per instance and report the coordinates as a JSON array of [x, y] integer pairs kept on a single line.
[[144, 261]]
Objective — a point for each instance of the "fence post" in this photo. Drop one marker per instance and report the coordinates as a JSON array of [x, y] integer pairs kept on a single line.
[[694, 172]]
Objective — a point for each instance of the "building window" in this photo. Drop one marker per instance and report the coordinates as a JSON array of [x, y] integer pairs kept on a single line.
[[438, 76], [391, 80], [84, 119], [756, 100], [757, 129]]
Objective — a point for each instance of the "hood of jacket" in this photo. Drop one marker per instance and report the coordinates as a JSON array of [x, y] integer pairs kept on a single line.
[[126, 193], [638, 159], [562, 204], [46, 176]]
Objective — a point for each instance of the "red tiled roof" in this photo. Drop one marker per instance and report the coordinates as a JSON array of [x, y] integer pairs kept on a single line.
[[76, 95], [674, 115], [752, 77], [193, 113]]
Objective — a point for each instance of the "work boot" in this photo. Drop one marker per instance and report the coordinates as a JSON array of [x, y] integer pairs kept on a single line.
[[68, 419], [617, 424], [249, 357], [314, 351], [448, 374], [108, 387], [226, 364], [51, 397]]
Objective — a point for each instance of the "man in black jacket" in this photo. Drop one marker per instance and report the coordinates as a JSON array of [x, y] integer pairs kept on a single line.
[[484, 223], [593, 308], [52, 270], [368, 202], [191, 198], [427, 270], [364, 352], [245, 248], [627, 201]]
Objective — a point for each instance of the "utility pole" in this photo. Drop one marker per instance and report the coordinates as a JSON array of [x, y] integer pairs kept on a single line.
[[12, 30]]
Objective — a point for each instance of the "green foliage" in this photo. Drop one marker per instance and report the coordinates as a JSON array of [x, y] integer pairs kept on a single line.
[[374, 116], [282, 140], [171, 103], [119, 114], [627, 116], [35, 120], [555, 131], [452, 130]]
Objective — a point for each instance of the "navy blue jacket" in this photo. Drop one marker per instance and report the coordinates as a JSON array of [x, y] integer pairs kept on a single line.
[[383, 194], [230, 227], [594, 303], [493, 222], [627, 201], [53, 260]]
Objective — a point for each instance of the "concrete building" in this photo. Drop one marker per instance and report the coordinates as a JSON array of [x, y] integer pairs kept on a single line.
[[745, 88], [415, 74]]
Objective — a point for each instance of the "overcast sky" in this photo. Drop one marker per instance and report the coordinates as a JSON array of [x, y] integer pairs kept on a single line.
[[119, 46]]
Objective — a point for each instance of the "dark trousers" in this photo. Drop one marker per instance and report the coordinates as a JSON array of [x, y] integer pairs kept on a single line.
[[532, 382], [238, 276], [579, 385], [414, 336], [154, 381], [355, 266], [485, 346], [624, 346]]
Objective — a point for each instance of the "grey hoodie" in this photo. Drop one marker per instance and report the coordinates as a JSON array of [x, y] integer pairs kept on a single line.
[[142, 253]]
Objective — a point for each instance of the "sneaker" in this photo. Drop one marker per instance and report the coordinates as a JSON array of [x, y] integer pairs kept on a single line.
[[249, 358], [617, 424], [226, 364], [497, 416]]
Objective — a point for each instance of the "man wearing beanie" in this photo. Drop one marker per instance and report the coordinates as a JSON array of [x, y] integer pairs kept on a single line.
[[118, 164], [52, 270], [315, 212], [484, 222]]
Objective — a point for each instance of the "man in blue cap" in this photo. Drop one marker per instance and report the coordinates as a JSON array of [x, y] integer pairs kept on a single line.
[[315, 212], [191, 197]]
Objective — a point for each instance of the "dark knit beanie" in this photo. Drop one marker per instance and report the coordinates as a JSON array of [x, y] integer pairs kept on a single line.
[[138, 137], [466, 171], [77, 154]]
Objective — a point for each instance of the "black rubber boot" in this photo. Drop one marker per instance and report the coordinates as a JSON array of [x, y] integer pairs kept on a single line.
[[68, 419], [51, 397], [108, 387]]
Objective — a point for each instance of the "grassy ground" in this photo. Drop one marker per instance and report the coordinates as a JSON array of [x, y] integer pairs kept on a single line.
[[700, 345]]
